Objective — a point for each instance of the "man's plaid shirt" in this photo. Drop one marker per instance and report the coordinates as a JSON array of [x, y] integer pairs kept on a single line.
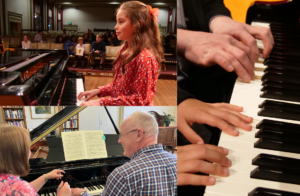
[[151, 171]]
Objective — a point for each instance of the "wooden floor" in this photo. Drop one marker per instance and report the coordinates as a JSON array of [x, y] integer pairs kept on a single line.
[[166, 90]]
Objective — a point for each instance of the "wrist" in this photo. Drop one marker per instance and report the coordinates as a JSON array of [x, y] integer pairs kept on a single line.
[[46, 178], [216, 21]]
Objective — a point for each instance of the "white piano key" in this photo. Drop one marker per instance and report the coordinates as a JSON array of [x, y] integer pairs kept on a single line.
[[260, 44], [229, 189], [249, 147], [261, 24], [79, 89]]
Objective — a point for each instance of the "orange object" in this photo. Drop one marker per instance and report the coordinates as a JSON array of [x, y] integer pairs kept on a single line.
[[239, 8], [153, 12]]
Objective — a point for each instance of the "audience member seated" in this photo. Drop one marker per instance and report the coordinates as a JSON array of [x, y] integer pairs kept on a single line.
[[65, 35], [59, 39], [109, 42], [106, 36], [115, 40], [70, 42], [98, 50], [91, 36], [80, 52], [38, 37], [86, 39], [168, 41], [26, 44]]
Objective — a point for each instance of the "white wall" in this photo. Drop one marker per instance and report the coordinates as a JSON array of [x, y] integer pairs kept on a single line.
[[159, 109], [96, 17], [95, 118], [33, 123], [20, 7]]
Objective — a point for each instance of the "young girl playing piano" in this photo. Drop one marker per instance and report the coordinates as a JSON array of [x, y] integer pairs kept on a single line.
[[138, 62], [14, 159]]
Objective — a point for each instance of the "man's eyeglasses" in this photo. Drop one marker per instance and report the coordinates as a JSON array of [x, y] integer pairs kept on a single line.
[[120, 135]]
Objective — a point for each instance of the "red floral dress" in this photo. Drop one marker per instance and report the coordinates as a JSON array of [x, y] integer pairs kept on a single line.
[[15, 186], [137, 86]]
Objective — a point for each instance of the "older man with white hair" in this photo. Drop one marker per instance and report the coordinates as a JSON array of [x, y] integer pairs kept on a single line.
[[151, 170]]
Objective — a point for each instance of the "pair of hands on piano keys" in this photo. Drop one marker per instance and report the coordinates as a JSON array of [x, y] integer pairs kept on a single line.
[[65, 190], [191, 158], [90, 94], [224, 47]]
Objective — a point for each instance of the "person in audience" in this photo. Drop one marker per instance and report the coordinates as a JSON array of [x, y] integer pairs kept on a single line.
[[98, 50], [138, 63], [91, 36], [106, 36], [65, 35], [14, 157], [59, 39], [80, 52], [151, 170], [70, 42], [38, 37], [26, 44], [109, 42], [114, 40], [86, 39]]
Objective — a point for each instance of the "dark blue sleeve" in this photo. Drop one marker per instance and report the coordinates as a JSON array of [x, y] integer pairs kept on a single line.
[[92, 47]]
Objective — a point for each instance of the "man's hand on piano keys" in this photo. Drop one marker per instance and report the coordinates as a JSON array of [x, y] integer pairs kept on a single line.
[[222, 115], [208, 49], [245, 33], [77, 191], [57, 173], [90, 94], [194, 158]]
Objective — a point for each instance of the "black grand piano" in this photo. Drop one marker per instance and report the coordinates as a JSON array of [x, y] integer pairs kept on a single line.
[[38, 77], [90, 173]]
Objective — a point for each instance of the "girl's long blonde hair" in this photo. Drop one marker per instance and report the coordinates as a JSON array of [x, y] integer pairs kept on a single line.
[[146, 34]]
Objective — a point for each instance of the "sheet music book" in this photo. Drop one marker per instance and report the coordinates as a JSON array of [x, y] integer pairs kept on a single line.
[[79, 51], [79, 145]]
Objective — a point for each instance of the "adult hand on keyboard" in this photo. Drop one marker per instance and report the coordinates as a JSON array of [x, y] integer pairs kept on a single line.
[[90, 94], [193, 159], [64, 189], [207, 49], [245, 33], [77, 191], [221, 115]]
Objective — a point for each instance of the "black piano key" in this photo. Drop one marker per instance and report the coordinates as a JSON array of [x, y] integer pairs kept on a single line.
[[279, 175], [280, 110], [92, 186], [281, 77], [260, 191], [269, 144], [278, 113], [278, 125], [274, 161], [279, 135], [87, 186], [97, 185], [280, 94], [280, 85]]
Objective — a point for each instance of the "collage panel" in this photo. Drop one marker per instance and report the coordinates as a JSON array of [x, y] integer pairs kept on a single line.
[[88, 53], [88, 97], [238, 100], [97, 150]]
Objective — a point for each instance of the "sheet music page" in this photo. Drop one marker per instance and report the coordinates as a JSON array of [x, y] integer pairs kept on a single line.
[[73, 145], [94, 144]]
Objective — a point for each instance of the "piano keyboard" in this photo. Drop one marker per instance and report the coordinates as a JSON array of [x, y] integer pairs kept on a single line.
[[244, 176], [79, 89], [93, 188], [67, 92]]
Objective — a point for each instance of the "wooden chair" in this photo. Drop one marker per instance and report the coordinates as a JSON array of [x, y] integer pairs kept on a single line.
[[43, 46], [54, 46], [50, 40], [34, 45]]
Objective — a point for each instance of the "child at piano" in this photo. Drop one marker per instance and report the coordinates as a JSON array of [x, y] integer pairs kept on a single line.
[[137, 64], [14, 158]]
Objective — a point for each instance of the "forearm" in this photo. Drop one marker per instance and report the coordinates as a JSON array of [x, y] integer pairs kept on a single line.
[[38, 183]]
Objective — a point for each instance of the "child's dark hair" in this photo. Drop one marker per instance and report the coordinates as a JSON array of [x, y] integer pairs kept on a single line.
[[147, 34]]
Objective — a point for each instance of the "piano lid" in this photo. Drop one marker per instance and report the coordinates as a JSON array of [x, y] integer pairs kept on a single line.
[[58, 119], [55, 121]]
